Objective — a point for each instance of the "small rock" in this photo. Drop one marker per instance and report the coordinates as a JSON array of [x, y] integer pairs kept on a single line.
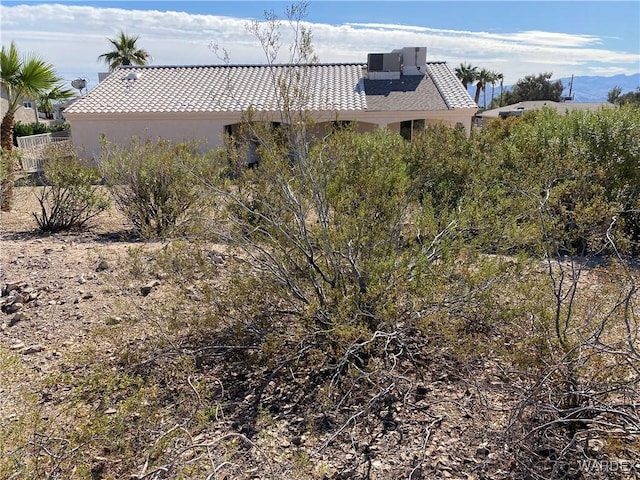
[[297, 441], [17, 298], [146, 289], [482, 450], [113, 320], [81, 279], [10, 287], [87, 296], [18, 317], [35, 348], [14, 307], [102, 265], [17, 346], [284, 443], [110, 411]]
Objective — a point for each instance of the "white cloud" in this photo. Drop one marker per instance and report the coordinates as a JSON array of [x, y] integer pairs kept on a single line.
[[72, 37]]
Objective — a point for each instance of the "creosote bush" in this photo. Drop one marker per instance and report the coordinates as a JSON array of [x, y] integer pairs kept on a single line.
[[335, 257], [156, 184], [70, 196]]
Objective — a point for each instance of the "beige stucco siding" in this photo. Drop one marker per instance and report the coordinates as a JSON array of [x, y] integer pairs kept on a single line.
[[208, 128], [24, 115], [87, 132]]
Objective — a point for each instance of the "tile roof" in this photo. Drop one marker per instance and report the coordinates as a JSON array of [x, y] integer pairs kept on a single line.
[[234, 88], [409, 92], [453, 93]]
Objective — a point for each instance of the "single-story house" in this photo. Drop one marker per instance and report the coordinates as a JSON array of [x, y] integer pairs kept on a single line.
[[26, 113], [398, 90], [518, 109]]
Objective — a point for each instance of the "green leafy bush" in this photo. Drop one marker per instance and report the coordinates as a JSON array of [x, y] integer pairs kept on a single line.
[[156, 184], [577, 171], [70, 197]]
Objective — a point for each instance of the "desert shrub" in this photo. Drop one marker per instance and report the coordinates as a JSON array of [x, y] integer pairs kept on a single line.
[[332, 260], [70, 196], [574, 170], [610, 140], [156, 184], [573, 369], [441, 165], [9, 162]]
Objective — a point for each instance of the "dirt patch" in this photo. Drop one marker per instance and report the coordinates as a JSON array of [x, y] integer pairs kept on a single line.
[[70, 279]]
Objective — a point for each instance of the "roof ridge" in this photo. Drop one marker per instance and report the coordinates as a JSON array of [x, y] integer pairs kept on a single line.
[[245, 65]]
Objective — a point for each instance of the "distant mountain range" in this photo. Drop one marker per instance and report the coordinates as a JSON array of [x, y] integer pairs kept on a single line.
[[595, 89]]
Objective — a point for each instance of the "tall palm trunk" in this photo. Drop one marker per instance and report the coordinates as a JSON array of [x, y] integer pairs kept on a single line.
[[6, 142], [478, 90], [6, 132]]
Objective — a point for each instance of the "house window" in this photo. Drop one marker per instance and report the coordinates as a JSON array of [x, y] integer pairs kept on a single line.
[[410, 128], [27, 104], [341, 124]]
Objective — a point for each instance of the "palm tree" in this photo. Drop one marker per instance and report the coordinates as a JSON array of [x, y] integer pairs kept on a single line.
[[125, 52], [22, 77], [481, 78], [466, 73], [493, 79], [46, 99], [27, 77]]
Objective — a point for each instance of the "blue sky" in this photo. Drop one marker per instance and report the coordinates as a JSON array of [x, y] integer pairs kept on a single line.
[[515, 38]]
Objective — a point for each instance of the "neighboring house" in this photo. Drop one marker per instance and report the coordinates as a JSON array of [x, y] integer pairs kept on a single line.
[[398, 90], [518, 109], [25, 113]]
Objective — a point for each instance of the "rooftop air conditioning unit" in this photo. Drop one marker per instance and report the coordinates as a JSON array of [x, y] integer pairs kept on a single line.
[[414, 60], [384, 66]]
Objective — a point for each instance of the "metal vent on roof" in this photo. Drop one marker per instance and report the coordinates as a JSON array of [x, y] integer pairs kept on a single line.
[[375, 62], [384, 66], [384, 62]]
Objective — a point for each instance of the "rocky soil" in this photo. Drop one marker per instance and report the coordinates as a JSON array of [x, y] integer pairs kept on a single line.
[[61, 291], [56, 287]]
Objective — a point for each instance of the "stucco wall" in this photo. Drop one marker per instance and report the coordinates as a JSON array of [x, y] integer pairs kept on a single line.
[[208, 129], [86, 133], [24, 115]]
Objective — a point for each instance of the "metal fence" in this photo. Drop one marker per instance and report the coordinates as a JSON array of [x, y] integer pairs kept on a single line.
[[34, 150]]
